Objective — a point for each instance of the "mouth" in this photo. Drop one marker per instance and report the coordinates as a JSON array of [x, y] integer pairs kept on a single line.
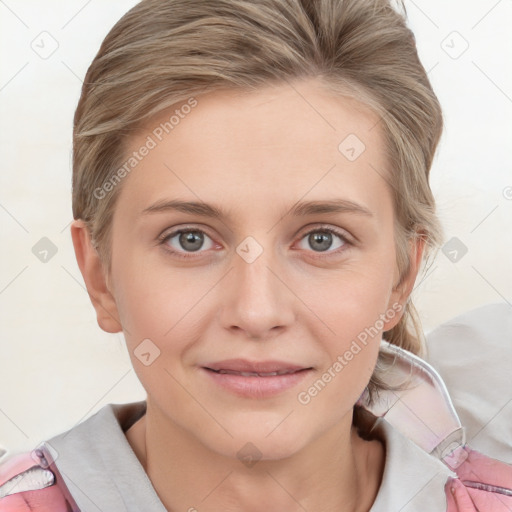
[[260, 368], [256, 379], [257, 374]]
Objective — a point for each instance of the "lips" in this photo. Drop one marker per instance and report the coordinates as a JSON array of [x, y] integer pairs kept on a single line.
[[255, 374], [255, 379], [254, 368]]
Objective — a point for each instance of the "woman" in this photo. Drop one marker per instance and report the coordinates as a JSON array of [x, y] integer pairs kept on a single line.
[[289, 143]]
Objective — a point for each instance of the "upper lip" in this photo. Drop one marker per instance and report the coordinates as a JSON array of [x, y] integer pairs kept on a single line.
[[242, 365]]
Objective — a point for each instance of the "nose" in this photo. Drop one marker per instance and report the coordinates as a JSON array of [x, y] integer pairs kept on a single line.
[[256, 300]]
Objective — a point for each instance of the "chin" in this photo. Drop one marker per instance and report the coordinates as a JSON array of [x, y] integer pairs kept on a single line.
[[260, 440]]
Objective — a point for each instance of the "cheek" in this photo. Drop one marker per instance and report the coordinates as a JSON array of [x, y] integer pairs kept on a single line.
[[152, 298], [164, 312], [353, 297], [351, 308]]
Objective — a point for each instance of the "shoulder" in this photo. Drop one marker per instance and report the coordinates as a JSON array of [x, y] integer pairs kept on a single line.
[[412, 480], [41, 480], [98, 464], [25, 485]]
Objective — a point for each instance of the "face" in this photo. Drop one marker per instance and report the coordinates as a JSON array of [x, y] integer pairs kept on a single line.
[[253, 266]]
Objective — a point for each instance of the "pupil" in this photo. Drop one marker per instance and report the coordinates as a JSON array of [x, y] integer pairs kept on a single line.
[[195, 239], [324, 239]]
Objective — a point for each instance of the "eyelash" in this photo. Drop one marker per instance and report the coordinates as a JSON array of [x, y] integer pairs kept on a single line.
[[163, 239]]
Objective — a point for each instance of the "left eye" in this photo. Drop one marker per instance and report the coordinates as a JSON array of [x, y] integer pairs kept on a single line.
[[321, 239]]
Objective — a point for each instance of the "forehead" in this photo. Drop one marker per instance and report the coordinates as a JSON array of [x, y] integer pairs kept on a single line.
[[261, 147]]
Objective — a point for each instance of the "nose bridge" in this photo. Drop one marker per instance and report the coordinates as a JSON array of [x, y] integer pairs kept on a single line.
[[257, 284], [258, 301]]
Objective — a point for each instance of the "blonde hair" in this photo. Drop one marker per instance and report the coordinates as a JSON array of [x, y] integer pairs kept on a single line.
[[164, 52]]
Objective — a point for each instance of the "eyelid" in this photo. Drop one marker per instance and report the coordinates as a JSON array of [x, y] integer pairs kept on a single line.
[[343, 233], [186, 227]]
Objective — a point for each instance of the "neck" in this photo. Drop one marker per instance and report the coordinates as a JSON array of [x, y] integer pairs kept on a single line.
[[337, 472]]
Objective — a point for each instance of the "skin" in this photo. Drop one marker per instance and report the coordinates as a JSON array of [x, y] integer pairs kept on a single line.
[[255, 154]]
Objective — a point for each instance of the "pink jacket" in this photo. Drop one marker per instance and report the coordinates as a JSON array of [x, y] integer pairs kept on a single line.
[[32, 482]]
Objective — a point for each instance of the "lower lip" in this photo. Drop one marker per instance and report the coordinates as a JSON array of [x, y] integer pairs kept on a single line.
[[257, 387]]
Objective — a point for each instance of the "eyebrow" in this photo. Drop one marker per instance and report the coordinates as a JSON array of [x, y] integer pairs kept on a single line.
[[300, 209]]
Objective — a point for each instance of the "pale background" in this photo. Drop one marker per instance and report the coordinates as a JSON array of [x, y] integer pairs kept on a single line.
[[56, 366]]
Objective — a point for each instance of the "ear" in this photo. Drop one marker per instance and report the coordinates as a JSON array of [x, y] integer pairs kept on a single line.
[[95, 278], [400, 294]]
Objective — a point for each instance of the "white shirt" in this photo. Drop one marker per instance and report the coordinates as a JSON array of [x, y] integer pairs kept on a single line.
[[103, 473]]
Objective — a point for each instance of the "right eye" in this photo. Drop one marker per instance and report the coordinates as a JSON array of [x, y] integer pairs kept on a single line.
[[182, 241]]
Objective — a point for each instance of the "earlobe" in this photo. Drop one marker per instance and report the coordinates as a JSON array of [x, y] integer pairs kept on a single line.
[[94, 277]]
